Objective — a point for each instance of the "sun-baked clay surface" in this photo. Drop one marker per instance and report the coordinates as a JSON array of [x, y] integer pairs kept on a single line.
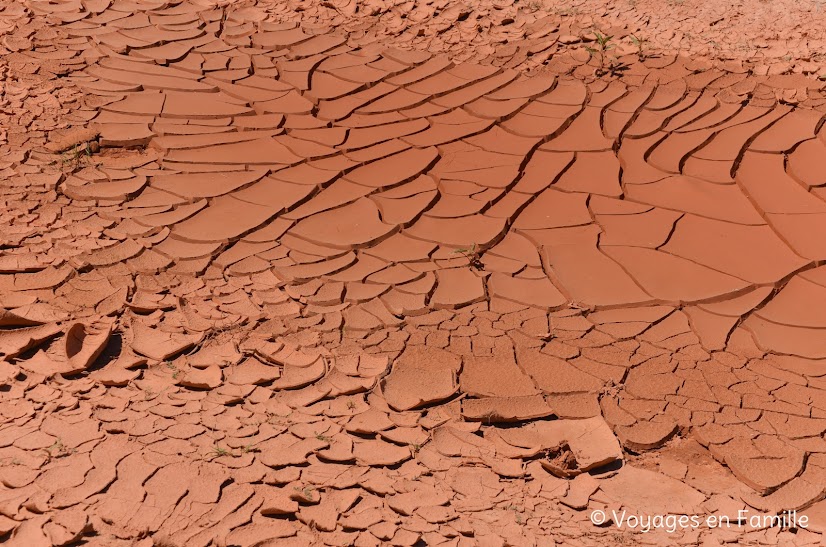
[[283, 274], [772, 36]]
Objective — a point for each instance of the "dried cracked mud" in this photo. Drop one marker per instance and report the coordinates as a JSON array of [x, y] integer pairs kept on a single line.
[[384, 273]]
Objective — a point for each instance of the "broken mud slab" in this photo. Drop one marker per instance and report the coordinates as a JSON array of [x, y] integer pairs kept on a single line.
[[561, 462]]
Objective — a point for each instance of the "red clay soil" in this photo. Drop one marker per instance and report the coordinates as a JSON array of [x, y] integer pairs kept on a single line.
[[406, 273]]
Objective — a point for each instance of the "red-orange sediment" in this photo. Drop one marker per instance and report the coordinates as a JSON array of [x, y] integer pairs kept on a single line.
[[365, 273]]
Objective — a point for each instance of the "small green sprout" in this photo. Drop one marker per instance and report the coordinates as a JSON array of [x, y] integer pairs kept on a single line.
[[640, 43], [604, 45], [473, 256]]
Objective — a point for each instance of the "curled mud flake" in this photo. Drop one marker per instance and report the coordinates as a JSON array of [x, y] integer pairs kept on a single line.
[[13, 342], [84, 345], [646, 435], [31, 314], [208, 378], [158, 344], [253, 371]]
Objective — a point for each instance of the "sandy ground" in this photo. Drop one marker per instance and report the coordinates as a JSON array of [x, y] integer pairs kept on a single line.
[[376, 273]]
